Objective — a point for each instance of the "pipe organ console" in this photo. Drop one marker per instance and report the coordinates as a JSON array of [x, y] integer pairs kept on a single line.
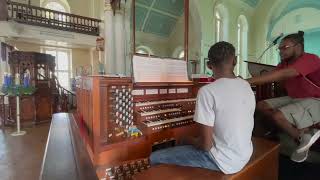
[[121, 121]]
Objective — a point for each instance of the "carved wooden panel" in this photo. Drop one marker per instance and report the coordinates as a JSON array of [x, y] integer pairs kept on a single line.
[[3, 10], [2, 110], [27, 108], [43, 108], [40, 66]]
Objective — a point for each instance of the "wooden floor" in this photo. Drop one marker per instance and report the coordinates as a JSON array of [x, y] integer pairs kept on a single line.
[[21, 156]]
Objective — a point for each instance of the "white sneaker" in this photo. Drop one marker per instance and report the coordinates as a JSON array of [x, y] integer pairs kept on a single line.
[[299, 157], [306, 141]]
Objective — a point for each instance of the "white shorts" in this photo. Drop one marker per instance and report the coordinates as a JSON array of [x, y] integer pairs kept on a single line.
[[301, 113]]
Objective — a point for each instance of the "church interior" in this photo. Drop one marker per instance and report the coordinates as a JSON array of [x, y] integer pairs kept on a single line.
[[90, 88]]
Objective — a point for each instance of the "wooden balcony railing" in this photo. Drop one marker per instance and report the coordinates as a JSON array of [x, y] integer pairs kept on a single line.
[[32, 15]]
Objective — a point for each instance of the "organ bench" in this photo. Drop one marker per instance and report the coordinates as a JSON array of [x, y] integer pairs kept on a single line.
[[263, 165]]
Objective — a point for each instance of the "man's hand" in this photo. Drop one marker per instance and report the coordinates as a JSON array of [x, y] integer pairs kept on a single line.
[[273, 76]]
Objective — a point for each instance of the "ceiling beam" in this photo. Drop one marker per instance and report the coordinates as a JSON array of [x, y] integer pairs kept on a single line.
[[157, 10], [147, 15]]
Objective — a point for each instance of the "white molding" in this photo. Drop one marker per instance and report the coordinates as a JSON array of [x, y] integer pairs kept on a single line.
[[39, 35]]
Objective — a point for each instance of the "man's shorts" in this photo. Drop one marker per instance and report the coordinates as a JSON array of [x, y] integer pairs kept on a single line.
[[301, 113]]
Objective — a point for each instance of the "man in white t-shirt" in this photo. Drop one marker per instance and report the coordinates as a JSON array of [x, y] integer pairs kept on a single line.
[[224, 111]]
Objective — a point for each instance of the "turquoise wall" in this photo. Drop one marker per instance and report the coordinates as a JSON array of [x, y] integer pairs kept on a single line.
[[205, 8], [312, 42]]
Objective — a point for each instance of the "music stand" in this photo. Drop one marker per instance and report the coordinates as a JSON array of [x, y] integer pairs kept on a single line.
[[256, 69]]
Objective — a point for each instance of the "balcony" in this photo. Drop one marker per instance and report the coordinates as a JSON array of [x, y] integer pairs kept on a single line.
[[37, 16]]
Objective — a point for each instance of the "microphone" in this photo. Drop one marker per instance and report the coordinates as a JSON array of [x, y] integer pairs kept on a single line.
[[275, 41]]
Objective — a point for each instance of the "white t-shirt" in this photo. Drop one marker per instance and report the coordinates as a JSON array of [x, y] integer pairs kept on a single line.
[[228, 106]]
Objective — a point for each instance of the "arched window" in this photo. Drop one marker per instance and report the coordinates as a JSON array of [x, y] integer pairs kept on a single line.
[[144, 50], [178, 52], [56, 5], [218, 26], [221, 23], [181, 55], [242, 47]]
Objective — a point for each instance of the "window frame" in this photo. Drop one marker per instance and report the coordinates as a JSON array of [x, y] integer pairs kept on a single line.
[[242, 46], [146, 49], [57, 71], [220, 22], [218, 26], [181, 54]]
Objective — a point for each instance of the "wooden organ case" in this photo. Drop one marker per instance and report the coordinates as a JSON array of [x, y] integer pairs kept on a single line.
[[109, 107]]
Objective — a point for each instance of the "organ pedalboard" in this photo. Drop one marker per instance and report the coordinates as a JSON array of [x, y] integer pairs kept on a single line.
[[126, 170]]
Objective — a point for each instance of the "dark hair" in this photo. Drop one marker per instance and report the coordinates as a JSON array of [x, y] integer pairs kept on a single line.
[[220, 52], [296, 38]]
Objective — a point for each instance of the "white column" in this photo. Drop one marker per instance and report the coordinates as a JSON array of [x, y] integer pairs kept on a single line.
[[93, 61], [128, 32], [119, 41], [18, 132], [109, 38]]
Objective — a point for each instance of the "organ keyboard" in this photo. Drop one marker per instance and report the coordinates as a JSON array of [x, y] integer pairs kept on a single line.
[[162, 106], [139, 104]]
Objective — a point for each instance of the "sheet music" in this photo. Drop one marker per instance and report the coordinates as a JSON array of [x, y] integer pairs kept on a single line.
[[176, 70], [149, 69], [146, 69]]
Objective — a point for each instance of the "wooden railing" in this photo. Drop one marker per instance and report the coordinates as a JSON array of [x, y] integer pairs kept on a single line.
[[67, 99], [32, 15]]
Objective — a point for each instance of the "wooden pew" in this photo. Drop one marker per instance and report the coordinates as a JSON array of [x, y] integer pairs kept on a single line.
[[262, 166], [65, 155]]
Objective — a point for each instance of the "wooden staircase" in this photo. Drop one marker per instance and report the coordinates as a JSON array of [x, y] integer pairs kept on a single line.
[[65, 100]]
